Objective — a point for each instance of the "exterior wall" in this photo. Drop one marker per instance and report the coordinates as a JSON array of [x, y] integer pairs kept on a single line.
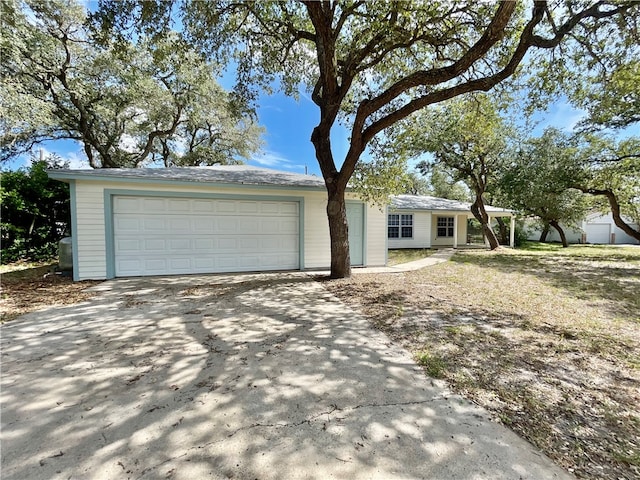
[[620, 237], [375, 220], [461, 220], [91, 233], [573, 235], [421, 231]]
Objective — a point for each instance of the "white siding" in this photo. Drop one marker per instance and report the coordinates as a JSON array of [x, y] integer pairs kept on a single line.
[[461, 219], [376, 222], [90, 235], [90, 213], [573, 235], [421, 231], [317, 246], [618, 233]]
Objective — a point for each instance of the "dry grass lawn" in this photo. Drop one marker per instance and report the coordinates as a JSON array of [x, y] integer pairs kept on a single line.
[[27, 287], [548, 339]]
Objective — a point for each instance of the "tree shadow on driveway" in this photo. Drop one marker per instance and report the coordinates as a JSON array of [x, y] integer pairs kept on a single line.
[[233, 376]]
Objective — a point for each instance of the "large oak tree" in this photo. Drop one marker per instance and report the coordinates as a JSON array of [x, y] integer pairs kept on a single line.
[[372, 64], [128, 105]]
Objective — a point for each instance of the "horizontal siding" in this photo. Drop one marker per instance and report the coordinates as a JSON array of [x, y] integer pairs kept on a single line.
[[376, 221], [90, 241], [421, 231], [448, 241], [90, 211], [317, 246]]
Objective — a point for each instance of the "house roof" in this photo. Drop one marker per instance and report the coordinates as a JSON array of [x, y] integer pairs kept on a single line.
[[425, 202], [226, 174]]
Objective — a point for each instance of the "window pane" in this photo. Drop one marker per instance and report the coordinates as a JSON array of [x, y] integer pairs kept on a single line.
[[394, 219], [407, 232], [442, 231], [394, 232], [407, 220]]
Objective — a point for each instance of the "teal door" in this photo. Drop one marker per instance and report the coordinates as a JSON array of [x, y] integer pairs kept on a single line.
[[355, 219]]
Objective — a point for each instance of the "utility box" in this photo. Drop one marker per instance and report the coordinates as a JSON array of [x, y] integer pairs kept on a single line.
[[65, 254]]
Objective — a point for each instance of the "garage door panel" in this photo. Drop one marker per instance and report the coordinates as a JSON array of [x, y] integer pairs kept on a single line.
[[126, 204], [128, 245], [157, 244], [156, 236], [127, 224], [203, 224], [204, 206], [150, 205], [248, 226], [227, 225], [179, 224], [248, 207], [227, 206], [204, 244], [178, 206]]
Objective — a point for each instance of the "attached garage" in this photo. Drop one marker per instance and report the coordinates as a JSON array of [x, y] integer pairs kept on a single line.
[[197, 220], [165, 235]]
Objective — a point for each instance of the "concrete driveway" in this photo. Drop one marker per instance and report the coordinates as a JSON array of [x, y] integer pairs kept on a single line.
[[233, 376]]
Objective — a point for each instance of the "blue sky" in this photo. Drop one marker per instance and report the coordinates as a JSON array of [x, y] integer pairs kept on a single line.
[[288, 124]]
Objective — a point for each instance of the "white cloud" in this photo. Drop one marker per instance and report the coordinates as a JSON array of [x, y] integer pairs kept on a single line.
[[276, 161], [564, 116]]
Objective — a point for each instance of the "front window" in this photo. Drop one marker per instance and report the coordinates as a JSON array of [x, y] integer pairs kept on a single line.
[[445, 226], [400, 225]]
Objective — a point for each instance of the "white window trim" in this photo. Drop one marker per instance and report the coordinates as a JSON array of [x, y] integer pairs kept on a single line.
[[400, 218]]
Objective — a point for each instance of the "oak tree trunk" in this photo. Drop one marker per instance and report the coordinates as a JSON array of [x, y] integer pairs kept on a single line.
[[339, 234], [336, 206], [544, 233], [563, 237], [478, 210], [615, 210]]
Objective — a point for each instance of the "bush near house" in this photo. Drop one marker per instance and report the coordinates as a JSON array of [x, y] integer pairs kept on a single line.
[[34, 211]]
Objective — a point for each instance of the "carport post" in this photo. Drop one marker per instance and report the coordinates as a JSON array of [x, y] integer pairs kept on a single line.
[[455, 231], [512, 232]]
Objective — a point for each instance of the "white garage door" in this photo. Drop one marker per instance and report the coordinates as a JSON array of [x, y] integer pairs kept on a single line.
[[598, 232], [158, 235]]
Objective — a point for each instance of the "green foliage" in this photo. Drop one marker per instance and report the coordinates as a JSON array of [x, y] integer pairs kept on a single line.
[[536, 181], [377, 180], [443, 183], [606, 164], [129, 104], [35, 212], [434, 366], [371, 65]]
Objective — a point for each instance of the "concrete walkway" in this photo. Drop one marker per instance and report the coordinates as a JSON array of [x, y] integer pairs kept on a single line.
[[234, 376], [440, 256]]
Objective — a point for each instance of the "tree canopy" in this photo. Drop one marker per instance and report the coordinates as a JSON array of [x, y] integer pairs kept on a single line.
[[132, 104], [536, 182], [372, 64]]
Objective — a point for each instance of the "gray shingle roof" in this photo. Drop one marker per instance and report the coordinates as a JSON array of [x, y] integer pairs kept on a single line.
[[227, 174], [425, 202]]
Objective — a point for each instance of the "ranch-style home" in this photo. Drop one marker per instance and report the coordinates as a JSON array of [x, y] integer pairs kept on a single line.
[[165, 221], [418, 221]]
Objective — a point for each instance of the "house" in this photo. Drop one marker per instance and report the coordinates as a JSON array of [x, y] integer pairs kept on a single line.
[[599, 228], [164, 221], [596, 228], [418, 221]]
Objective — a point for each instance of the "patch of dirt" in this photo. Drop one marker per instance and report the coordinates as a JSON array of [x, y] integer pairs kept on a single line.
[[27, 290], [557, 363]]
